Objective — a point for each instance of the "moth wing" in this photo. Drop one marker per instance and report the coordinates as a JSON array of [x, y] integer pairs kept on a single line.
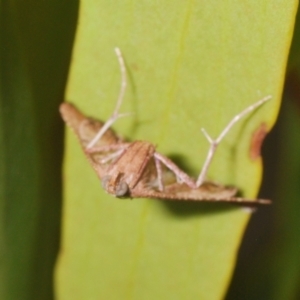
[[85, 129], [208, 192]]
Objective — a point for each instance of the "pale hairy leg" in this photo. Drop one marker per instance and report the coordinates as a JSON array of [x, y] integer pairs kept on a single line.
[[214, 143], [116, 115], [180, 175], [111, 156], [107, 148], [159, 174], [117, 149]]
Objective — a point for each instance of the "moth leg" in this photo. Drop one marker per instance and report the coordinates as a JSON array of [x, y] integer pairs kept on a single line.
[[214, 143], [117, 148], [107, 148], [182, 176], [112, 156], [159, 174], [116, 115]]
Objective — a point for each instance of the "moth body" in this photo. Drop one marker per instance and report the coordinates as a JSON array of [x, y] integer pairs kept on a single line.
[[128, 169]]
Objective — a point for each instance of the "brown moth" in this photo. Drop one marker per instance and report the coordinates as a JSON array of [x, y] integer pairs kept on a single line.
[[136, 170]]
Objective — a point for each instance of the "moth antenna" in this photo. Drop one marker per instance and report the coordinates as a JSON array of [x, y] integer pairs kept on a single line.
[[214, 143], [116, 115]]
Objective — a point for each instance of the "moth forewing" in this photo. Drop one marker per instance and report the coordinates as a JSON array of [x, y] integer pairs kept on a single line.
[[85, 129]]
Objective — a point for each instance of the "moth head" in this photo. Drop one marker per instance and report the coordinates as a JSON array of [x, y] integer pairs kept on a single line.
[[117, 187]]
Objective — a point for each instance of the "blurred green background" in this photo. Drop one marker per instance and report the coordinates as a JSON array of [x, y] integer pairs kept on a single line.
[[36, 41]]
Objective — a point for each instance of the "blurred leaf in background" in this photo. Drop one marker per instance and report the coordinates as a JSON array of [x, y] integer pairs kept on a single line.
[[190, 64], [36, 40]]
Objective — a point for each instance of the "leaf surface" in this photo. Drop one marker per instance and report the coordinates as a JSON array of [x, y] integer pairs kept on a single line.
[[190, 65]]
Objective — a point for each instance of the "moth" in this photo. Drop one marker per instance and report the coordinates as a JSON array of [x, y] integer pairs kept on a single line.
[[136, 170]]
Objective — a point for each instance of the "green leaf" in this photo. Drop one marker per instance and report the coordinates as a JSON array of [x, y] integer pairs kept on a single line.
[[190, 65]]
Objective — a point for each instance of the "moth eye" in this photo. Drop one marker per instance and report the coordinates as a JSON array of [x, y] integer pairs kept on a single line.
[[105, 182], [121, 189]]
